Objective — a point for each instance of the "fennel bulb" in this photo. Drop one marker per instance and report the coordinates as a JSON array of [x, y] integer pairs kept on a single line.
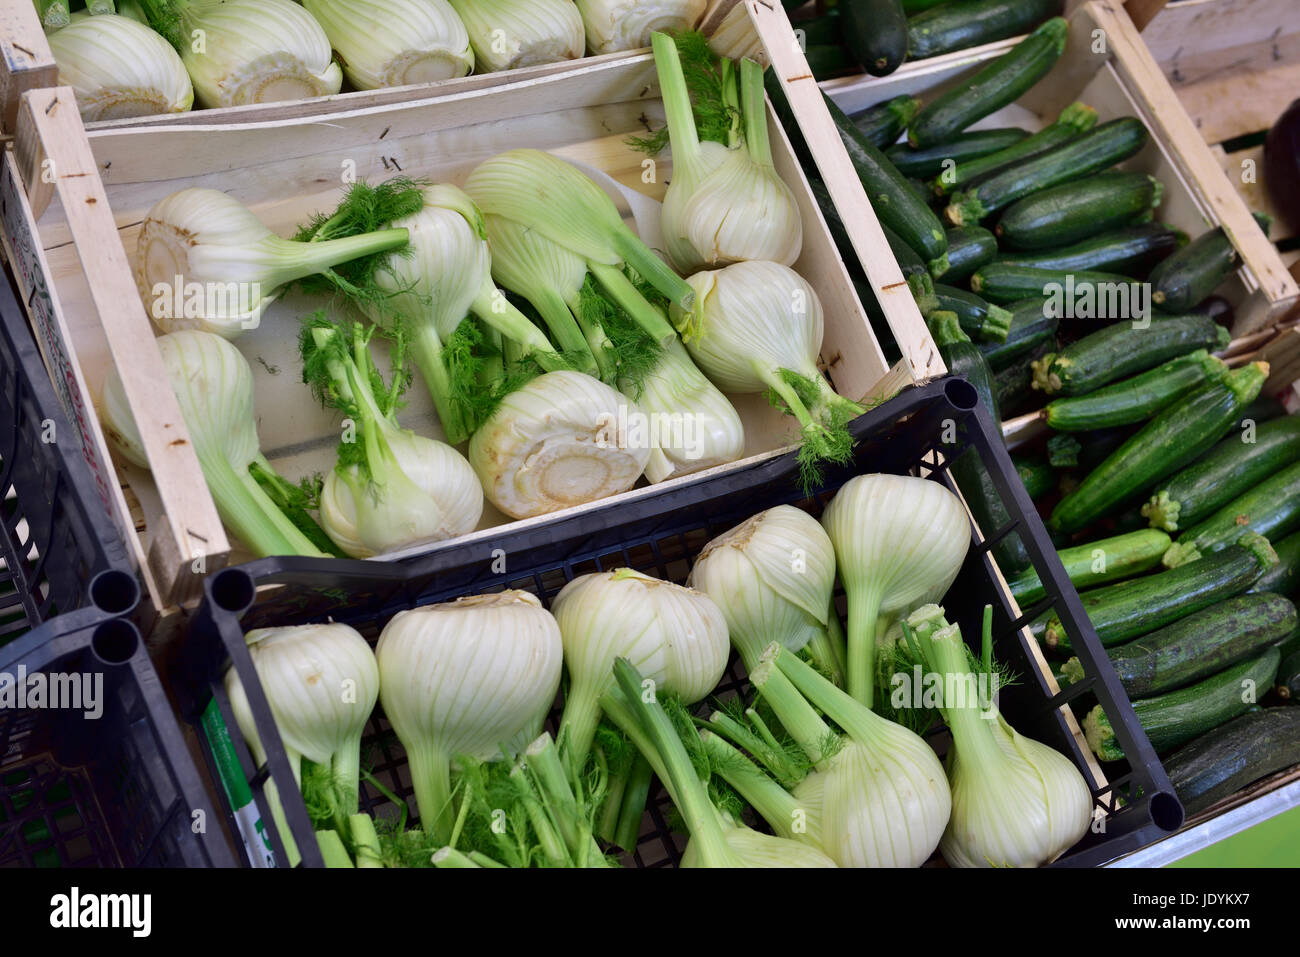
[[441, 276], [614, 25], [758, 326], [1015, 802], [717, 839], [204, 261], [394, 42], [391, 488], [772, 576], [899, 541], [119, 68], [239, 52], [877, 796], [214, 388], [465, 678], [544, 193], [675, 636], [508, 34], [559, 440], [725, 202]]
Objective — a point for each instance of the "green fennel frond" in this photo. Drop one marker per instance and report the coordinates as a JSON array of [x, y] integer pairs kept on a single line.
[[716, 119]]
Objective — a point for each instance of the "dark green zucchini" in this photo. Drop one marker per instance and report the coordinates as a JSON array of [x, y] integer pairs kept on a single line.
[[1120, 350], [959, 26], [1177, 435], [977, 317], [1271, 508], [1127, 609], [1098, 149], [969, 247], [819, 30], [1097, 446], [1036, 475], [1177, 717], [1203, 643], [891, 196], [1030, 328], [989, 512], [1186, 278], [914, 271], [1014, 383], [1001, 82], [961, 357], [1078, 210], [1284, 577], [1075, 119], [1221, 762], [1132, 251], [884, 123], [1231, 468], [1136, 399], [1095, 563], [932, 160], [1063, 451], [1083, 295], [827, 60], [1288, 680], [875, 31]]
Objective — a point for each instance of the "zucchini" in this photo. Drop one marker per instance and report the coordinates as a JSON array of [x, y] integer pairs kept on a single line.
[[1063, 451], [1121, 350], [961, 357], [977, 317], [1098, 149], [1122, 611], [1074, 119], [1270, 508], [1075, 211], [1132, 251], [1095, 563], [891, 196], [914, 271], [1288, 681], [826, 60], [959, 26], [1234, 755], [1176, 717], [1001, 82], [1205, 642], [1036, 475], [917, 6], [1177, 435], [1097, 445], [875, 31], [1030, 328], [969, 247], [824, 29], [989, 511], [1014, 384], [884, 123], [876, 316], [1283, 577], [1226, 471], [1089, 295], [932, 160], [1135, 399], [1187, 277]]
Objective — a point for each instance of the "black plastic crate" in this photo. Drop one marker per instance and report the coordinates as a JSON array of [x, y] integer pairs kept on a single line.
[[660, 532]]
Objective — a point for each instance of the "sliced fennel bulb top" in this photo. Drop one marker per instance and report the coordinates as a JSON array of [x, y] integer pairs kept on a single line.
[[395, 42], [119, 68]]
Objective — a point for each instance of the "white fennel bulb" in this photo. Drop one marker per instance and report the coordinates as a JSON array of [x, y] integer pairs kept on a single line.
[[559, 440], [214, 389], [465, 678], [674, 636], [395, 42], [614, 25], [879, 793], [204, 261], [391, 488], [1015, 802], [772, 576], [757, 326], [508, 34], [119, 68], [899, 541], [725, 202], [239, 52]]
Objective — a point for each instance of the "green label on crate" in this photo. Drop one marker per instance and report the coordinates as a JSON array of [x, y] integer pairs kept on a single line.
[[238, 793]]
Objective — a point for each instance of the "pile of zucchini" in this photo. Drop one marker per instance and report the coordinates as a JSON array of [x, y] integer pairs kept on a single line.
[[1172, 488], [848, 36]]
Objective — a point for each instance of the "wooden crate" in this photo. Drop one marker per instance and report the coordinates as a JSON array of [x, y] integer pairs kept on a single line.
[[74, 202], [26, 64]]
